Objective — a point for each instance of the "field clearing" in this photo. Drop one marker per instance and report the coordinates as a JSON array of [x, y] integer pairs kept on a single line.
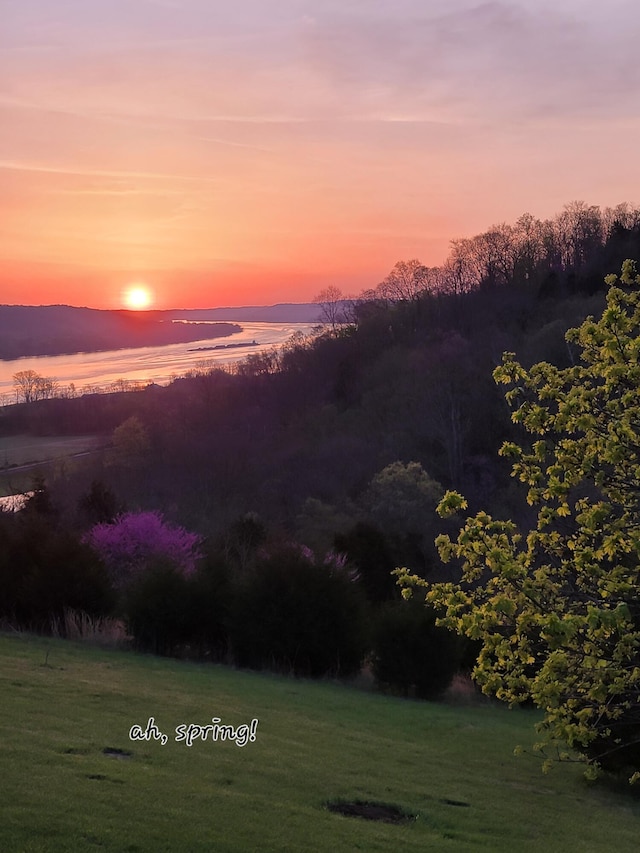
[[22, 456], [451, 766], [26, 449]]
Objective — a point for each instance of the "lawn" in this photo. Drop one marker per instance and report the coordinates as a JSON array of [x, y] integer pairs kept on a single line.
[[453, 767]]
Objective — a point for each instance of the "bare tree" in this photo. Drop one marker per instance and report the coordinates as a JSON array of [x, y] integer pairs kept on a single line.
[[528, 235], [47, 387], [406, 281], [622, 216], [499, 254], [331, 302], [580, 230], [461, 271], [30, 386], [25, 384]]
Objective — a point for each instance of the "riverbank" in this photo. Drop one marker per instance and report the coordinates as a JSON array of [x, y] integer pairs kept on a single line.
[[95, 372]]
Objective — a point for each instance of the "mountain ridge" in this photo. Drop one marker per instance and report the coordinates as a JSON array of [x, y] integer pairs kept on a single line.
[[41, 330]]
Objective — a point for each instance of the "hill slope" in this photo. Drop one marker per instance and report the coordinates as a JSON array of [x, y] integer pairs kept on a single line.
[[59, 329], [27, 330], [453, 767]]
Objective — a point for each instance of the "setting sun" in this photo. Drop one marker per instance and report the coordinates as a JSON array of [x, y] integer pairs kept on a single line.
[[137, 297]]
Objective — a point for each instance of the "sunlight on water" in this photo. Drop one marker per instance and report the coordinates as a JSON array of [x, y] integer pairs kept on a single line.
[[148, 364]]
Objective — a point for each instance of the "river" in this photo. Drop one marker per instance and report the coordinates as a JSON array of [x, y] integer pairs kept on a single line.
[[99, 370]]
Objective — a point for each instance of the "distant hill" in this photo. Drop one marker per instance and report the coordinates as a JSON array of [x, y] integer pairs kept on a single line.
[[61, 329], [27, 330], [283, 312]]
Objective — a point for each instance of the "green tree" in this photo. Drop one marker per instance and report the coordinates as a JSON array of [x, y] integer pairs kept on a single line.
[[557, 608], [130, 444], [401, 500], [401, 495]]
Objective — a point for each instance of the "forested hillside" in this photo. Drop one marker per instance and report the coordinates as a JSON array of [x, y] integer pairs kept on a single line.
[[298, 435], [255, 514]]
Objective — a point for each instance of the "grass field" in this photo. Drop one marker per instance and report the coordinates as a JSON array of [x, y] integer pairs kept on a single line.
[[20, 450], [453, 767], [24, 449]]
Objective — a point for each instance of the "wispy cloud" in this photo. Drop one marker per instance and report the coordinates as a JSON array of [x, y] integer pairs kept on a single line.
[[18, 166], [491, 58]]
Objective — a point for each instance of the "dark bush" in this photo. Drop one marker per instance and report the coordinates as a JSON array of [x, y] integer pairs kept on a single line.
[[242, 539], [159, 607], [297, 614], [170, 613], [99, 505], [44, 570], [211, 590], [40, 503], [411, 654], [368, 550]]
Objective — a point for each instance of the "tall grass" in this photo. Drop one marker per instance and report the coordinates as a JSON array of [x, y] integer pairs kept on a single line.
[[103, 631]]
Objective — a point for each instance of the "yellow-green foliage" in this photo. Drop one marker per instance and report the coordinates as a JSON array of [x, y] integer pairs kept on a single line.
[[557, 608]]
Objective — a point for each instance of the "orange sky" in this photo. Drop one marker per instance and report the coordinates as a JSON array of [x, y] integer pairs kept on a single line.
[[254, 152]]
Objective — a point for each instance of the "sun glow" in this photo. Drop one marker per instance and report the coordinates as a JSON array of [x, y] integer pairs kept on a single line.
[[137, 297]]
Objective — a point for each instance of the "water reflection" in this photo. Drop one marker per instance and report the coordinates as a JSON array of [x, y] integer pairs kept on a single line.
[[87, 371]]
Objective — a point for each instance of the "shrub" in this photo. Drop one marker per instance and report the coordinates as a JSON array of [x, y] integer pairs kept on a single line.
[[298, 614], [368, 550], [43, 571], [411, 655], [168, 613], [158, 606], [211, 590], [99, 505], [242, 539]]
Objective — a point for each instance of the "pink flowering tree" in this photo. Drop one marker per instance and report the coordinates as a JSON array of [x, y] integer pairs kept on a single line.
[[135, 540]]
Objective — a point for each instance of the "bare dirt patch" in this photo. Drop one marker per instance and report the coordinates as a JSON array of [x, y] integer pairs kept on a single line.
[[115, 752], [385, 812]]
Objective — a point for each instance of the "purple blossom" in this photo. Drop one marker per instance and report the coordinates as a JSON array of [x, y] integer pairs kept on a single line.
[[337, 562], [305, 552], [135, 539]]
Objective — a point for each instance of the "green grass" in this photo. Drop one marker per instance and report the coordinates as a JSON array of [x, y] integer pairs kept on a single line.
[[63, 703]]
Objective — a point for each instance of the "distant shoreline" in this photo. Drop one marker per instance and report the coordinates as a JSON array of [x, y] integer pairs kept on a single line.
[[89, 372], [50, 332], [55, 330], [224, 346]]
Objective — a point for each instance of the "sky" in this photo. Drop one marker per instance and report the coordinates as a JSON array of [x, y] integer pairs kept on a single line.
[[252, 152]]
